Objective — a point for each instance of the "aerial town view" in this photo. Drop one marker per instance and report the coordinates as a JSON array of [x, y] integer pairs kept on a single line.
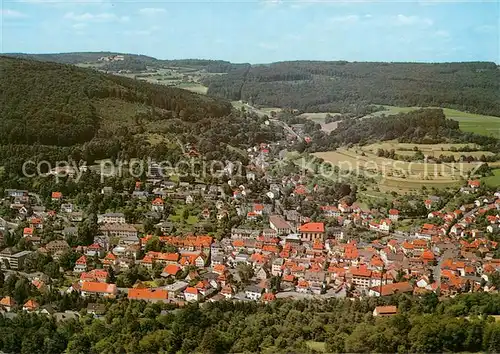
[[331, 186]]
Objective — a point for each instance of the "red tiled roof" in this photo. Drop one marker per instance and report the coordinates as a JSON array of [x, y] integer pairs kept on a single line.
[[390, 289], [157, 201], [172, 269], [110, 256], [360, 272], [95, 287], [427, 255], [386, 310], [7, 301], [31, 305], [268, 297], [312, 227], [191, 290], [474, 183], [147, 294], [81, 260], [171, 257]]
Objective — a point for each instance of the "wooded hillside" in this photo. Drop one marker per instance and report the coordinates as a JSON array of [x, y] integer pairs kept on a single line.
[[330, 86], [54, 104]]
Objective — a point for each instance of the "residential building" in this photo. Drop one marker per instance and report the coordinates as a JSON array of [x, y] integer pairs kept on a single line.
[[385, 311], [361, 277], [192, 294], [57, 246], [111, 218], [253, 292], [393, 214], [313, 231], [158, 205], [31, 305], [14, 260], [95, 288], [391, 289], [80, 265], [119, 230], [7, 303], [149, 295], [280, 225]]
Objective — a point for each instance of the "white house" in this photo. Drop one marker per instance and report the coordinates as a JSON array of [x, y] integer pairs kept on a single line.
[[192, 294], [253, 292]]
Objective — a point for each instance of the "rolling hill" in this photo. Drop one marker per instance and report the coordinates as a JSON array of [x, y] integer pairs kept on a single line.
[[54, 104], [49, 111], [315, 86]]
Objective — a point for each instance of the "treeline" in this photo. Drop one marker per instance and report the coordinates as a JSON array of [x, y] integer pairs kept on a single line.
[[75, 57], [228, 86], [423, 126], [327, 86], [441, 158], [423, 325], [128, 64]]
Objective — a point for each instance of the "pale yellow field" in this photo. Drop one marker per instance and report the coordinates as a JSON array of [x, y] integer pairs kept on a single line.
[[406, 149], [320, 117], [393, 144], [398, 175]]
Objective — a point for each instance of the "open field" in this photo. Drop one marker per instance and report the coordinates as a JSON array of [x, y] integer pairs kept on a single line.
[[395, 175], [427, 149], [268, 110], [475, 123], [317, 117], [408, 184], [316, 346], [469, 122], [320, 118], [493, 181], [352, 158], [191, 220], [194, 87]]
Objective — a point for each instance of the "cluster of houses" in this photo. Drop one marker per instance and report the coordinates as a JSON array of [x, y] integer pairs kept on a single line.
[[276, 251]]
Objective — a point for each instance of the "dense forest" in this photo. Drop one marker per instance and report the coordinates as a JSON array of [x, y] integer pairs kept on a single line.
[[423, 126], [423, 325], [52, 111], [78, 57], [53, 104], [329, 86], [322, 86], [131, 62]]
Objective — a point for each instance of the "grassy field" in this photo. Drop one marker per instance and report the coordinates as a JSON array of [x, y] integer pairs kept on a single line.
[[353, 158], [194, 87], [493, 181], [317, 346], [427, 149], [317, 117], [475, 123], [191, 220], [398, 175], [320, 118], [469, 122], [268, 110]]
